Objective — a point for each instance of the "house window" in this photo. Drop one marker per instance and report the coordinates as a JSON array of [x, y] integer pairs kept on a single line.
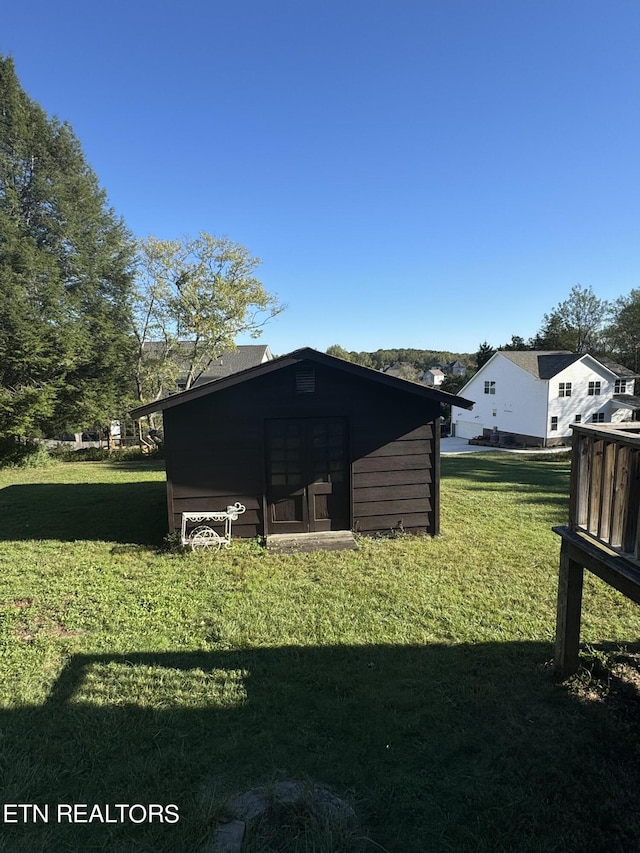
[[489, 387], [594, 389], [620, 386], [578, 419], [597, 418], [554, 424], [564, 389]]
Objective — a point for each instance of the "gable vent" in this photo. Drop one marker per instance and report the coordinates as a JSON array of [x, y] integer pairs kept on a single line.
[[305, 380]]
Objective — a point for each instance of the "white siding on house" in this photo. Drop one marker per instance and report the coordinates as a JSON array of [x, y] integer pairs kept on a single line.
[[503, 410], [579, 374], [433, 377]]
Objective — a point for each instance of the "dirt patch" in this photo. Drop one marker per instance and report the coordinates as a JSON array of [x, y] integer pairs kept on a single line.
[[18, 603], [26, 632], [611, 678], [290, 817]]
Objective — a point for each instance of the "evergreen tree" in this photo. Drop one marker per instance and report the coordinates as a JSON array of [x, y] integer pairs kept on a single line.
[[484, 353], [65, 277]]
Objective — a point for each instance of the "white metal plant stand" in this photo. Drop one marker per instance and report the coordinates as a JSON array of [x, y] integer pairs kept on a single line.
[[203, 535]]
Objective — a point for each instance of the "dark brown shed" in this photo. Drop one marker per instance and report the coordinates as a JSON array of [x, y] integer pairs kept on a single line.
[[307, 443]]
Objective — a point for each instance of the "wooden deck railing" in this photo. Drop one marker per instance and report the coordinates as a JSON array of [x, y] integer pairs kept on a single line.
[[604, 528], [604, 500]]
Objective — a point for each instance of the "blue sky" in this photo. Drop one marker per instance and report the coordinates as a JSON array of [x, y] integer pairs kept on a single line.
[[412, 173]]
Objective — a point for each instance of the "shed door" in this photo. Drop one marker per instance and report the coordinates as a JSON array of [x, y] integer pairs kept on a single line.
[[307, 475]]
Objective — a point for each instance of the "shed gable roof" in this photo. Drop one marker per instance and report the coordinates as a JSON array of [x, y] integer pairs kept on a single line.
[[307, 354]]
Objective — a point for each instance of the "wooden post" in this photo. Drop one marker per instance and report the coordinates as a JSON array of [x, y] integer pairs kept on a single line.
[[568, 614]]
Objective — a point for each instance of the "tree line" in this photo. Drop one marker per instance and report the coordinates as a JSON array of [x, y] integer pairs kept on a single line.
[[580, 323], [380, 359]]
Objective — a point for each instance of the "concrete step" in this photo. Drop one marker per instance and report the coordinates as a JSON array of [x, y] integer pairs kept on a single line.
[[329, 540]]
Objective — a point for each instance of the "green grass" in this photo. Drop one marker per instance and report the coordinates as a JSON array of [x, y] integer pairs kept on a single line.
[[411, 675]]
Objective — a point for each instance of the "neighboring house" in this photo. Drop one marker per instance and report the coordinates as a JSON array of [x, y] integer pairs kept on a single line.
[[403, 370], [308, 443], [455, 368], [434, 377], [534, 397], [234, 361]]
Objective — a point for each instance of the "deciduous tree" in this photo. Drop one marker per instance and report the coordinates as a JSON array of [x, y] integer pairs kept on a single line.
[[361, 358], [516, 344], [623, 335], [339, 352], [194, 297], [575, 324]]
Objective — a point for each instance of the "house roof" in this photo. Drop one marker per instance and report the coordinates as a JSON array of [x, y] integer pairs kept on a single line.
[[307, 354], [542, 364], [546, 365], [627, 401], [234, 361], [620, 371]]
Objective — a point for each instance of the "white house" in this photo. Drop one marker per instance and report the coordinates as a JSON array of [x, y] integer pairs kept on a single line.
[[534, 397], [434, 376]]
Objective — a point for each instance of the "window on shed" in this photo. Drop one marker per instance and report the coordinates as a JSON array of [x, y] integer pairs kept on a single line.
[[305, 380], [564, 389], [594, 389], [489, 387]]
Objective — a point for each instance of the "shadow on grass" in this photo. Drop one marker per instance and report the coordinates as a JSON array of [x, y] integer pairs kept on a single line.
[[539, 481], [133, 512], [440, 748], [547, 474]]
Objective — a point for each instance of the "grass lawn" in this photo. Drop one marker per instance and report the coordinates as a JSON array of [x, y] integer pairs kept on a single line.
[[412, 676]]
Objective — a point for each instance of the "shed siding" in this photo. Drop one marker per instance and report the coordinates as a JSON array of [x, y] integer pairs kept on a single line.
[[401, 497], [214, 460], [215, 449]]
